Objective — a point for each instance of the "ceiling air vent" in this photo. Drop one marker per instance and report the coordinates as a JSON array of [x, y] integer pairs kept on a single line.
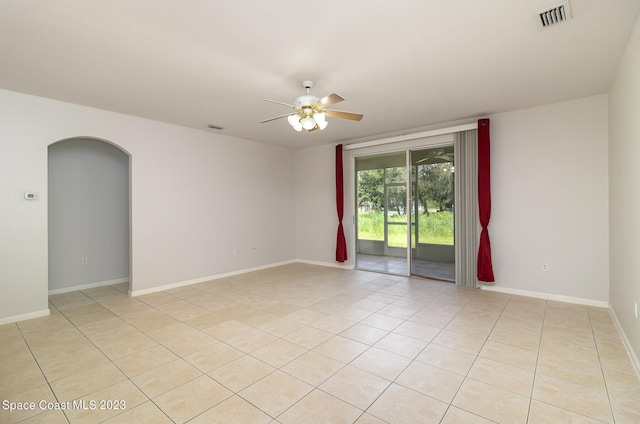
[[555, 14]]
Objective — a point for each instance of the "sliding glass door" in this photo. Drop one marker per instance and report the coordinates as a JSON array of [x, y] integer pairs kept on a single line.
[[404, 212]]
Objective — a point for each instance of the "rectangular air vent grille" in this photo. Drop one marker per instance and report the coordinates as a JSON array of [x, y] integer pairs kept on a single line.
[[555, 15]]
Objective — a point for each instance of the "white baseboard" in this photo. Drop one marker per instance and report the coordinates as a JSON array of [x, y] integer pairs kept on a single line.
[[625, 341], [329, 264], [547, 296], [24, 317], [134, 293], [88, 286]]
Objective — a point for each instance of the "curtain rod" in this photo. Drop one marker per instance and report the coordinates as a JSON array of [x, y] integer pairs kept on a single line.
[[407, 137]]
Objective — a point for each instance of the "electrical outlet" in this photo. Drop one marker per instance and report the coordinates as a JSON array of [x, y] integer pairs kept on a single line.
[[85, 261], [545, 267], [235, 250], [253, 249]]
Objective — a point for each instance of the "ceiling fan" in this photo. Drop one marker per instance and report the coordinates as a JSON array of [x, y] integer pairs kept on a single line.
[[311, 111]]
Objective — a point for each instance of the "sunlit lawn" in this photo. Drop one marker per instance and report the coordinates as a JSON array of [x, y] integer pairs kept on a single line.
[[435, 228]]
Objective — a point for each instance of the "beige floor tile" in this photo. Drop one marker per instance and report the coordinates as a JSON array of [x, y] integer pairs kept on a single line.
[[308, 337], [276, 392], [352, 313], [364, 334], [146, 413], [97, 315], [542, 413], [515, 338], [418, 331], [250, 340], [459, 416], [18, 361], [585, 374], [83, 383], [381, 321], [226, 330], [242, 372], [524, 326], [511, 355], [447, 358], [573, 397], [626, 410], [470, 326], [232, 410], [459, 341], [354, 386], [342, 349], [281, 327], [213, 357], [397, 311], [332, 324], [305, 316], [564, 335], [574, 352], [190, 343], [382, 363], [34, 395], [400, 405], [431, 381], [47, 417], [119, 347], [369, 419], [183, 310], [150, 319], [501, 375], [622, 384], [166, 377], [21, 380], [192, 398], [145, 360], [57, 351], [125, 393], [401, 345], [313, 368], [279, 352], [73, 363], [481, 399], [320, 407]]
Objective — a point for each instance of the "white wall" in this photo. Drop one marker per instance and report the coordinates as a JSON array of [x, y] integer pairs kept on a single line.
[[195, 197], [549, 195], [624, 188], [316, 215], [88, 213], [549, 188]]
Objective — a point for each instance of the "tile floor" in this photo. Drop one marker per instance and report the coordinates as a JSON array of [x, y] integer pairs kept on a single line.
[[431, 269], [308, 344]]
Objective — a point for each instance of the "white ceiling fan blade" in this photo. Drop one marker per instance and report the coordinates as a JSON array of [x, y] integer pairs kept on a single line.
[[274, 118], [279, 103]]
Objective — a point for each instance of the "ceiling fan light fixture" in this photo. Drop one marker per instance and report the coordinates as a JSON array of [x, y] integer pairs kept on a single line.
[[308, 123], [319, 117], [293, 119], [322, 125], [297, 126]]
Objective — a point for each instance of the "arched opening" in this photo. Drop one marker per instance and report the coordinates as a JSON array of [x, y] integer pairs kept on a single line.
[[89, 215]]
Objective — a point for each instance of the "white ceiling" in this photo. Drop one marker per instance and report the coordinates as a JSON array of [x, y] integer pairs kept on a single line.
[[404, 64]]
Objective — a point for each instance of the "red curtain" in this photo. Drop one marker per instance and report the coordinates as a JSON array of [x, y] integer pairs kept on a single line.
[[341, 243], [485, 267]]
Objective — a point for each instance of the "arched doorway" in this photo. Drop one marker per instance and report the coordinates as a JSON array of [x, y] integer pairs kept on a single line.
[[88, 215]]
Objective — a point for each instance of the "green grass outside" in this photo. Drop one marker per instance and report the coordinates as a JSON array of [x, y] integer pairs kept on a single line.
[[435, 228]]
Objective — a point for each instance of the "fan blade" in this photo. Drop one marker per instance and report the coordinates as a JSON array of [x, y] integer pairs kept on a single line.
[[326, 101], [276, 117], [279, 103], [343, 115]]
